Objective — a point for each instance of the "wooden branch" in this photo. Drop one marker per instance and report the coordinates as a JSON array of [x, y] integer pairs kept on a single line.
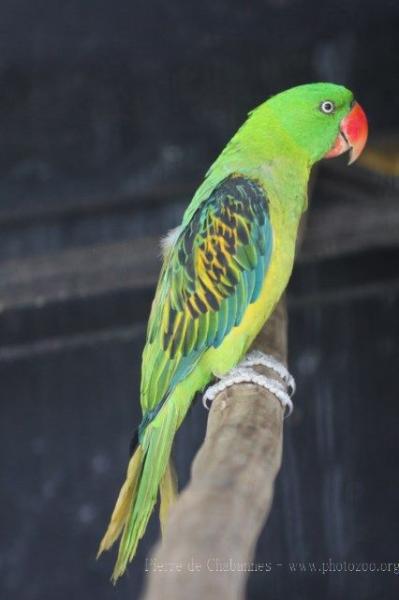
[[345, 218], [219, 516]]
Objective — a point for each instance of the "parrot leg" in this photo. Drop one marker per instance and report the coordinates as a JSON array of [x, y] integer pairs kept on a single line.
[[243, 373]]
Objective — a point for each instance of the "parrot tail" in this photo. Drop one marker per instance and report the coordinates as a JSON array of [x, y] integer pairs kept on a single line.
[[168, 490], [149, 469]]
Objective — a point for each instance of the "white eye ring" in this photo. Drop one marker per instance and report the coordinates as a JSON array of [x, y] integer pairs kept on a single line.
[[327, 107]]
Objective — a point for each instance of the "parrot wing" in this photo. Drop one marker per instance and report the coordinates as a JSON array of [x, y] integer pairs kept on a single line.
[[215, 269]]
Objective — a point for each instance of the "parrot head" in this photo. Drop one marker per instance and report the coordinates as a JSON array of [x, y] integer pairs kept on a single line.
[[323, 118]]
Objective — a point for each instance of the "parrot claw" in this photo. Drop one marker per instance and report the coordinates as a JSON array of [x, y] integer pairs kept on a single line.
[[208, 397], [243, 374]]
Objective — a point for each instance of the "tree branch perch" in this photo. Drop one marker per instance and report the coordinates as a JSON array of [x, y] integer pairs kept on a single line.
[[219, 516]]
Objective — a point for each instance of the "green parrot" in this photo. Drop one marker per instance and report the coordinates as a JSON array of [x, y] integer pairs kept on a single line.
[[224, 269]]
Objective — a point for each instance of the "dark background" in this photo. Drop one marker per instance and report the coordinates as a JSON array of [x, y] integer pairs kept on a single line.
[[109, 115]]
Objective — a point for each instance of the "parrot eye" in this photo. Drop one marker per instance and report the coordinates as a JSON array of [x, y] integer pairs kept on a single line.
[[327, 107]]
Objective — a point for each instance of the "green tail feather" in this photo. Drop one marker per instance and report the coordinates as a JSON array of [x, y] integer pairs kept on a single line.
[[140, 491], [168, 493]]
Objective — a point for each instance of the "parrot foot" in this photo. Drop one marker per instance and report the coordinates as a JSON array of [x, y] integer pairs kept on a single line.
[[244, 374], [256, 357]]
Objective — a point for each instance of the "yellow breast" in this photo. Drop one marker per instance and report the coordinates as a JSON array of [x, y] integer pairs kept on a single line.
[[234, 346]]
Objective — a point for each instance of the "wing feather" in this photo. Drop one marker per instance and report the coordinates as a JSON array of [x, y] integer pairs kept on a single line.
[[214, 271]]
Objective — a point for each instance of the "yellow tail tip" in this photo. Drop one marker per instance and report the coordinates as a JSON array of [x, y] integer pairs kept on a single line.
[[102, 548], [124, 503]]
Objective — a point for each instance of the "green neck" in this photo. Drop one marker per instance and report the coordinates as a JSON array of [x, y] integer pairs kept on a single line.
[[271, 157]]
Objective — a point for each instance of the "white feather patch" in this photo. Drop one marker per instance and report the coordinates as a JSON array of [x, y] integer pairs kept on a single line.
[[169, 240]]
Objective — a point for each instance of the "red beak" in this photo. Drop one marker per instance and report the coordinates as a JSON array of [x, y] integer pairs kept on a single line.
[[352, 135]]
